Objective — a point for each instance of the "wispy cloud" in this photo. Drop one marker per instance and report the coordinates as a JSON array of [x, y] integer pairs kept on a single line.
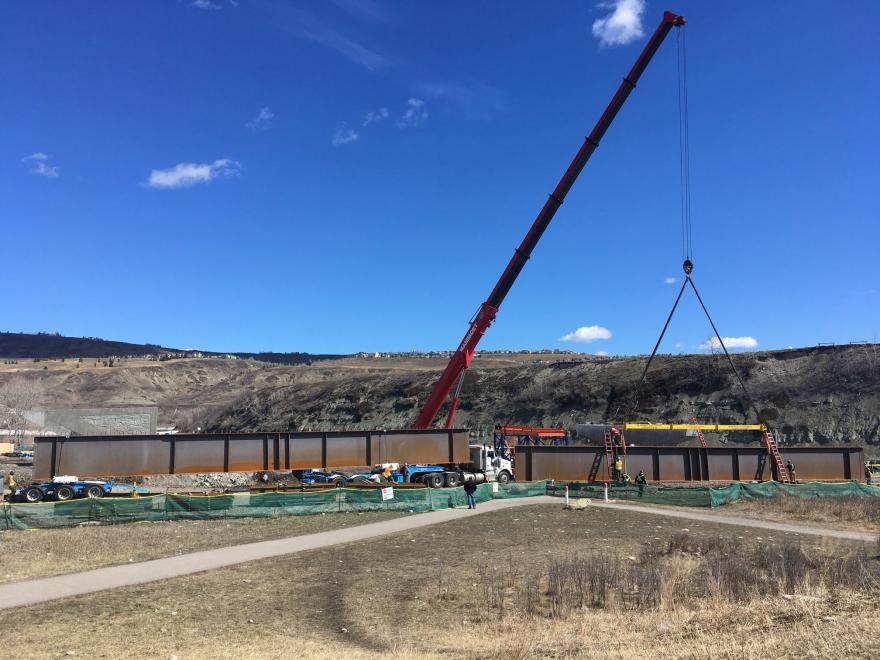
[[622, 25], [415, 114], [262, 121], [376, 115], [602, 353], [344, 135], [472, 101], [730, 342], [587, 334], [670, 280], [38, 164], [206, 4], [185, 175], [305, 25]]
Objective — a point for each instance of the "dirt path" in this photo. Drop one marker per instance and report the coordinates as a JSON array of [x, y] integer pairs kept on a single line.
[[30, 592]]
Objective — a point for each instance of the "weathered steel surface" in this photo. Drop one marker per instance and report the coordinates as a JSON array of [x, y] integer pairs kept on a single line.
[[691, 463], [90, 456]]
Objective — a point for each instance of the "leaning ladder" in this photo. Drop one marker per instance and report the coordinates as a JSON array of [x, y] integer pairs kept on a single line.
[[773, 448], [700, 435]]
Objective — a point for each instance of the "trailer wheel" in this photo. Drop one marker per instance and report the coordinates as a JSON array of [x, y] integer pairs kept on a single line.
[[64, 493], [503, 477], [338, 481], [453, 479], [94, 492], [433, 480], [33, 494]]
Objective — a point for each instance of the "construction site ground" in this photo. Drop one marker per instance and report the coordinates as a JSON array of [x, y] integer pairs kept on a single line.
[[420, 593], [28, 554]]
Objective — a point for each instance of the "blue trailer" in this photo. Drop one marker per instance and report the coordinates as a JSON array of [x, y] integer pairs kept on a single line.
[[62, 490]]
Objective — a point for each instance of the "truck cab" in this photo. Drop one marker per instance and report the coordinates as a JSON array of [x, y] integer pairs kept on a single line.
[[496, 468]]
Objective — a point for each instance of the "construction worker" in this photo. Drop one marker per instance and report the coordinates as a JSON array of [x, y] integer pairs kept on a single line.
[[618, 469], [470, 487], [792, 475], [11, 483], [869, 476], [641, 480]]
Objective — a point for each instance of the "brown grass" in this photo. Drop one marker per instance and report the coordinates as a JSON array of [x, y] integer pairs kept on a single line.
[[42, 552], [850, 512], [481, 588]]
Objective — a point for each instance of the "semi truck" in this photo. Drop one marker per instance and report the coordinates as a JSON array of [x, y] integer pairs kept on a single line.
[[485, 465]]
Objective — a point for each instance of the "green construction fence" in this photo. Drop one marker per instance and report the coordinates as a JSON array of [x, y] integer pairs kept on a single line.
[[713, 497], [113, 510]]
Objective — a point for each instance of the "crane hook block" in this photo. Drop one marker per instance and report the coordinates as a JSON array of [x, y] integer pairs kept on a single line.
[[688, 266]]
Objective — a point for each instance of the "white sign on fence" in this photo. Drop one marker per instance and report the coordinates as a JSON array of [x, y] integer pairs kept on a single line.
[[494, 486], [387, 494]]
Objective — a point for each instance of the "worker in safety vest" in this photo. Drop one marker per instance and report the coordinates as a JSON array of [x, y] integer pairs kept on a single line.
[[618, 469], [641, 480], [11, 483], [792, 475]]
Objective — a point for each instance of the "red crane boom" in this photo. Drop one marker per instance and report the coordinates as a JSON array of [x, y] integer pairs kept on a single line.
[[463, 355]]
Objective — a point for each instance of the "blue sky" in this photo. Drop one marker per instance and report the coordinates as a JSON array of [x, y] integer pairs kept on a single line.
[[354, 174]]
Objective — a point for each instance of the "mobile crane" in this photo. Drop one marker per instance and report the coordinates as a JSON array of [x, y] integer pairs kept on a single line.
[[453, 375]]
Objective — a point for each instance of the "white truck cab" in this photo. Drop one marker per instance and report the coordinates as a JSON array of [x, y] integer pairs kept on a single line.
[[495, 467]]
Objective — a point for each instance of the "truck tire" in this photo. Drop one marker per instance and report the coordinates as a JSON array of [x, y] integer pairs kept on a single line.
[[453, 479], [64, 493], [503, 477], [94, 492], [33, 494], [338, 481], [433, 480]]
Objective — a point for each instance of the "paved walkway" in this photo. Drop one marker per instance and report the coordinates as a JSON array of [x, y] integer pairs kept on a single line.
[[30, 592], [725, 519]]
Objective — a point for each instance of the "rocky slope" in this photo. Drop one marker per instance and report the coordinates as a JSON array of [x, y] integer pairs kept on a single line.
[[812, 395]]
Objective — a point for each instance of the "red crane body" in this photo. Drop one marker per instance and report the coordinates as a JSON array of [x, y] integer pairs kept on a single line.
[[463, 355]]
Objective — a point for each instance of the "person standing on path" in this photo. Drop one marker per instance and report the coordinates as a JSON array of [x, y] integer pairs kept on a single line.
[[618, 469], [641, 480], [470, 487]]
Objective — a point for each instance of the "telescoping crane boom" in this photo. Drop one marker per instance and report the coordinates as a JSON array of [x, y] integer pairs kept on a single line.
[[481, 321]]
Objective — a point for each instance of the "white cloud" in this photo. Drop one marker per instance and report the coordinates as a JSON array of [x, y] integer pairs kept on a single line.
[[206, 4], [670, 280], [587, 334], [262, 121], [38, 165], [602, 353], [376, 115], [622, 25], [678, 344], [730, 342], [415, 114], [344, 135], [184, 175]]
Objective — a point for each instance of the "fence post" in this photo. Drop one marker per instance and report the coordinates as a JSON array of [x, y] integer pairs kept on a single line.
[[566, 494], [606, 492]]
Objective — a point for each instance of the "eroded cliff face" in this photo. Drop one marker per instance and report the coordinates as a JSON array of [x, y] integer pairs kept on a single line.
[[817, 395]]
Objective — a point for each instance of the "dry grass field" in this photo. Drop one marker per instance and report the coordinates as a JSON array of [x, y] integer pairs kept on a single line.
[[536, 581], [43, 552], [850, 512]]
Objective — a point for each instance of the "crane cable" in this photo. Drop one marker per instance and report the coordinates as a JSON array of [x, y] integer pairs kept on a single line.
[[687, 229]]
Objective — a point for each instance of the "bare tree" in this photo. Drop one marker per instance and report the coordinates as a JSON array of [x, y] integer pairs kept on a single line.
[[18, 396]]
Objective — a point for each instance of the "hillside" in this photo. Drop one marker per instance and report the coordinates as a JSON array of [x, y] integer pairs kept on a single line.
[[812, 395], [44, 346]]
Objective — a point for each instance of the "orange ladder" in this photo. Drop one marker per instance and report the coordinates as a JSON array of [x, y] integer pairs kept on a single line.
[[700, 435], [773, 448]]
